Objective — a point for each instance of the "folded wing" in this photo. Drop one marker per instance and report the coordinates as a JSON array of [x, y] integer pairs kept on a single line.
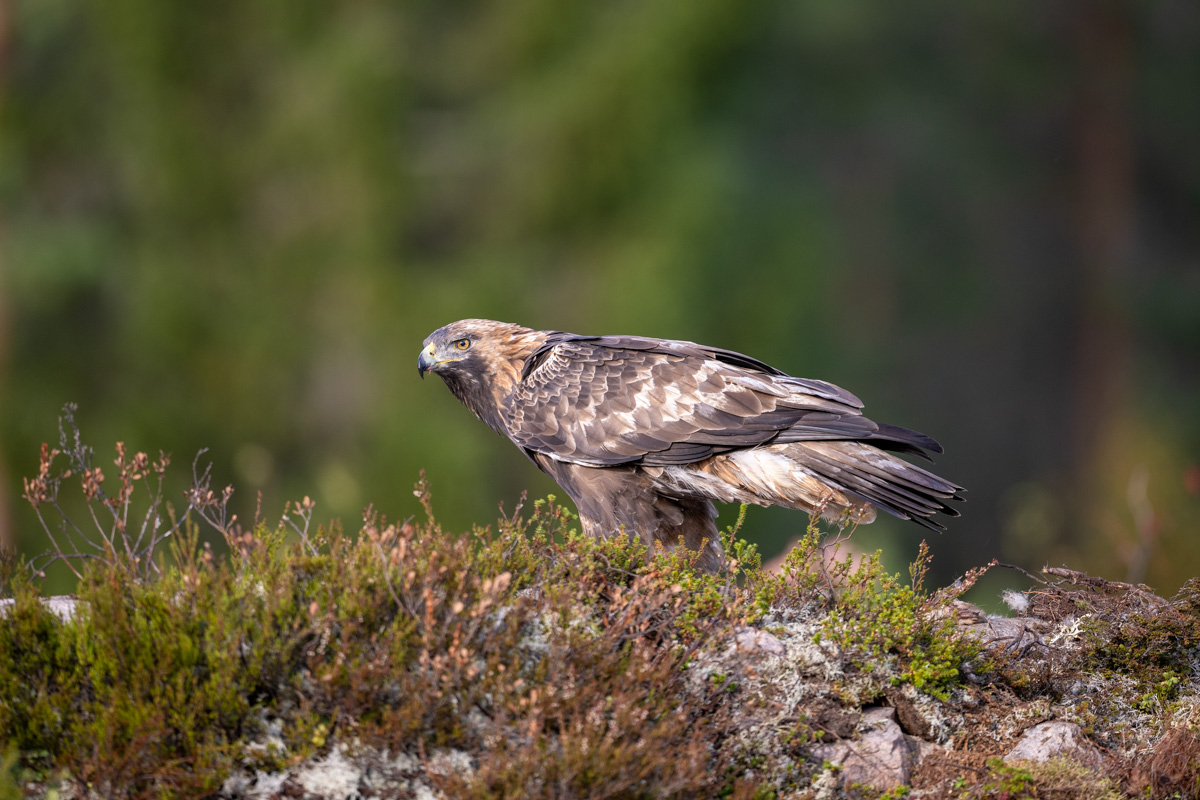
[[605, 401]]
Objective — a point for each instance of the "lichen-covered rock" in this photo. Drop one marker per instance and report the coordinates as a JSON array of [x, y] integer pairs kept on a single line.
[[1054, 739], [62, 606], [351, 773], [754, 641]]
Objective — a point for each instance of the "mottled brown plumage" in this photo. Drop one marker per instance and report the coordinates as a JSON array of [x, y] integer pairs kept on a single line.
[[644, 434]]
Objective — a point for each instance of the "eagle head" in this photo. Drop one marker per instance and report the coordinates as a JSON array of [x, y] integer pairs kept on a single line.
[[454, 350], [480, 361]]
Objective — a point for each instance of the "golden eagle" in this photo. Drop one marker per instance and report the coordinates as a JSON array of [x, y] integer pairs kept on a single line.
[[644, 434]]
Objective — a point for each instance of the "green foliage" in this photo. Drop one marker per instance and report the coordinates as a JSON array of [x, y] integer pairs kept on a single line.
[[150, 683], [559, 661], [872, 615], [1007, 782], [797, 582], [878, 618], [1057, 778], [10, 787], [1161, 694], [162, 681]]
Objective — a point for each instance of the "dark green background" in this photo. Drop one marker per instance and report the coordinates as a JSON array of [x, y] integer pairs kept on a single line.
[[230, 225]]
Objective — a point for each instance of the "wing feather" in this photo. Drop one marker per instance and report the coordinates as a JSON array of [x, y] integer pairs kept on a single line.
[[627, 399]]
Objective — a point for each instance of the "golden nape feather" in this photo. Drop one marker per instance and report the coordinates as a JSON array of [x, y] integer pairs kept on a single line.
[[643, 434]]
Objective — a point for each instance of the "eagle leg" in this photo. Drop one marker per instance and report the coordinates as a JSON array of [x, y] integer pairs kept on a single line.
[[612, 499]]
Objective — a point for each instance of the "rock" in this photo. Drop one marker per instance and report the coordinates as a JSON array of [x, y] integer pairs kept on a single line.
[[1054, 739], [1013, 634], [752, 639], [344, 774], [333, 776], [62, 606], [252, 787], [883, 758]]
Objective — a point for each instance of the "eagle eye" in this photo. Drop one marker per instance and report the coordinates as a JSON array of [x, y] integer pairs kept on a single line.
[[462, 344]]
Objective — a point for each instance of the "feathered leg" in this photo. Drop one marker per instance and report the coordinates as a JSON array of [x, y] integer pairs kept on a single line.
[[621, 498]]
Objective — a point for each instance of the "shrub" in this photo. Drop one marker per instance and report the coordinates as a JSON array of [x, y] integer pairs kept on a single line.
[[560, 663]]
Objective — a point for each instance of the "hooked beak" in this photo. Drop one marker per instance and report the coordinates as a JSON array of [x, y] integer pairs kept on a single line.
[[426, 361]]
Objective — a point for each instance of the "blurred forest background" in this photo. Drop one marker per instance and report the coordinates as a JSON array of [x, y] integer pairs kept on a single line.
[[230, 225]]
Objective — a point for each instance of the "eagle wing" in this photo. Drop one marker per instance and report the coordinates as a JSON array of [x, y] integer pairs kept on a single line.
[[609, 400]]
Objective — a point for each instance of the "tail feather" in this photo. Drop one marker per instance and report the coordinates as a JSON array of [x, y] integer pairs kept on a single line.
[[889, 483], [894, 433], [903, 440], [881, 466], [825, 426]]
